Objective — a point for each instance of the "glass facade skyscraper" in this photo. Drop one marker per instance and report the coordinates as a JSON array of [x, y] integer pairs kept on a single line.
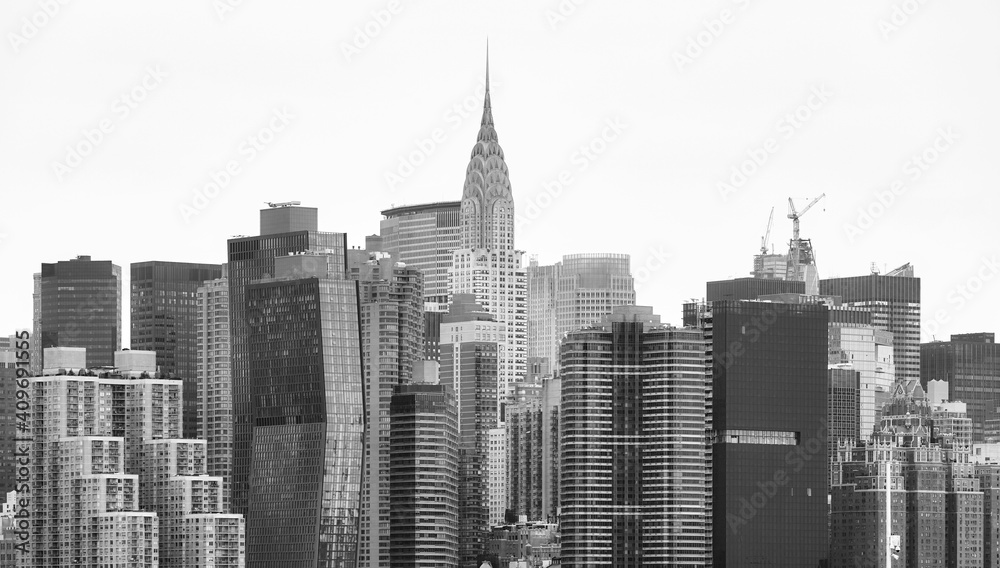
[[769, 432], [423, 237], [165, 319], [894, 301], [306, 387], [970, 363], [80, 305]]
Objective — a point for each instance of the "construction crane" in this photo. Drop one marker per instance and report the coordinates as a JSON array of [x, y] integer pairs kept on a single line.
[[795, 216], [767, 233]]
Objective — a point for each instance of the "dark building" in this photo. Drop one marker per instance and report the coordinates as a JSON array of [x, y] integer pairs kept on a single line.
[[283, 233], [80, 305], [843, 410], [164, 308], [469, 366], [750, 288], [423, 477], [894, 301], [970, 363], [635, 487], [432, 335], [8, 412], [769, 432], [307, 413]]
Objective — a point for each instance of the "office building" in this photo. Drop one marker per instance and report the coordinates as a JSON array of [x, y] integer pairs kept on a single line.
[[306, 378], [470, 345], [215, 403], [80, 305], [578, 291], [486, 264], [424, 477], [912, 472], [894, 302], [635, 487], [843, 412], [8, 411], [392, 327], [769, 408], [970, 364], [285, 229], [750, 288], [423, 237], [165, 318]]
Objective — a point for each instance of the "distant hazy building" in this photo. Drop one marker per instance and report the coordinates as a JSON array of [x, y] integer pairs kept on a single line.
[[80, 305], [165, 318], [423, 237], [843, 409], [306, 380], [423, 477], [970, 363], [578, 291], [894, 301], [215, 401], [470, 345], [635, 480], [869, 351]]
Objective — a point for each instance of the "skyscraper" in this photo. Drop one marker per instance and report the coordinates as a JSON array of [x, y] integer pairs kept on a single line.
[[80, 305], [486, 263], [769, 432], [635, 489], [284, 230], [392, 343], [894, 301], [750, 288], [8, 427], [165, 318], [307, 412], [970, 363], [423, 237], [470, 340], [571, 294], [423, 477], [215, 402]]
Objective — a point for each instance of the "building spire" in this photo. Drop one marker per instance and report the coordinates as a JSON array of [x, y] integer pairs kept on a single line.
[[487, 108]]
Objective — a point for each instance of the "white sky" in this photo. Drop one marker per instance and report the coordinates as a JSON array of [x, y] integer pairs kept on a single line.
[[652, 191]]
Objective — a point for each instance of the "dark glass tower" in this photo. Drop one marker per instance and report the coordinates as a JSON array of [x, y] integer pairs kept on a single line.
[[307, 414], [165, 320], [80, 305], [750, 288], [284, 231], [635, 486], [769, 451], [970, 363], [423, 477], [894, 301]]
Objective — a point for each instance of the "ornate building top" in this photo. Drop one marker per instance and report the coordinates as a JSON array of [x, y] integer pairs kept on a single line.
[[487, 214]]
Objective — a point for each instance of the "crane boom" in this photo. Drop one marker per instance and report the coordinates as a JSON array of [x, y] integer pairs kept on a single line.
[[795, 216], [767, 233]]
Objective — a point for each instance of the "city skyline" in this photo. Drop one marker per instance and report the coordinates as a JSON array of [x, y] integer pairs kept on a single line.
[[571, 76]]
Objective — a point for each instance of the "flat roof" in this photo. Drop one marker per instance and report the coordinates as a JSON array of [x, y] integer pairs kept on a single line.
[[419, 208]]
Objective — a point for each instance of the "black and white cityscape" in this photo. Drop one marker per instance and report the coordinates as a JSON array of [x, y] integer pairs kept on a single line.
[[280, 293]]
